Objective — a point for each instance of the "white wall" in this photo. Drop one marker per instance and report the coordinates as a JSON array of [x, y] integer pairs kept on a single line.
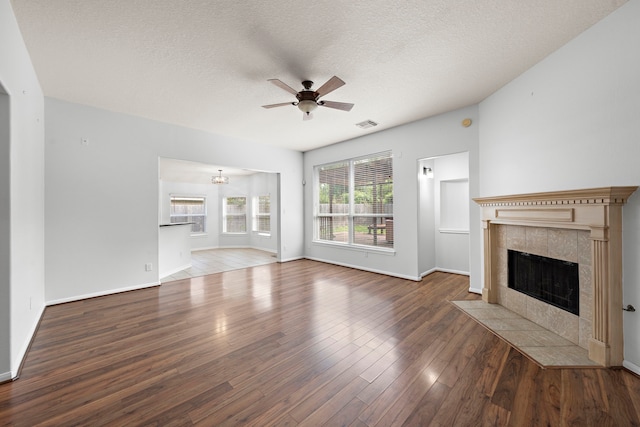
[[21, 197], [5, 239], [426, 220], [432, 137], [572, 122], [174, 249], [102, 245]]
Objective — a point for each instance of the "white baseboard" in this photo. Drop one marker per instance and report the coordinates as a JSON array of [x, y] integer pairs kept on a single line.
[[631, 366], [175, 270], [5, 376], [428, 272], [401, 276], [445, 270], [102, 293], [372, 270], [296, 258], [475, 290], [448, 270]]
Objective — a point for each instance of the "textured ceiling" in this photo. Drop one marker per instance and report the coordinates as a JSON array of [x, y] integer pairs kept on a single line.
[[204, 64]]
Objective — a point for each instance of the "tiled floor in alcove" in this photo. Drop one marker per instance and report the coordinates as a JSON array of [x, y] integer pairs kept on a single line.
[[218, 260], [541, 345]]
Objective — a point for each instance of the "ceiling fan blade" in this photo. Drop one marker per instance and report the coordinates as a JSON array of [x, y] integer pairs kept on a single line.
[[284, 86], [282, 104], [307, 116], [344, 106], [332, 84]]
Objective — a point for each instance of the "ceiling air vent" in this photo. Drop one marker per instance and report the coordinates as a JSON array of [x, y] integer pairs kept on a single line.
[[366, 124]]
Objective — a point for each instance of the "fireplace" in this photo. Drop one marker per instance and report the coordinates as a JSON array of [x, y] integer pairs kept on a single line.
[[583, 227], [551, 280], [562, 246]]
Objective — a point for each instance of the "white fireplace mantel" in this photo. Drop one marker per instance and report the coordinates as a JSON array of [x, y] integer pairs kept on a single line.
[[597, 210]]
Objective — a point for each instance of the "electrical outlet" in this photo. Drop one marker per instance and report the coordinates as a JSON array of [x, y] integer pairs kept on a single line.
[[148, 267]]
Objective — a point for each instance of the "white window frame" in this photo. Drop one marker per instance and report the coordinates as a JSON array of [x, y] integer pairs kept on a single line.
[[351, 214], [257, 215], [225, 215], [173, 216]]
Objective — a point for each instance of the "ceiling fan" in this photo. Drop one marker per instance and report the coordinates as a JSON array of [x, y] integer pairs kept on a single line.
[[308, 99]]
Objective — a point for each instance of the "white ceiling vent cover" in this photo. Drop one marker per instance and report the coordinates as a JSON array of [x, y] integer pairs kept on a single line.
[[366, 124]]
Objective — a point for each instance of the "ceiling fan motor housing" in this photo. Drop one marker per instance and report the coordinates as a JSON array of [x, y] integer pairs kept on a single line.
[[307, 95]]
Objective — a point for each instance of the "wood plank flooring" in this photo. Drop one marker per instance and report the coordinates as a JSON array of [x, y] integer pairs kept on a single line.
[[297, 344]]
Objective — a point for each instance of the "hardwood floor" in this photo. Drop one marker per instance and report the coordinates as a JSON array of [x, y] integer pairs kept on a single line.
[[299, 343]]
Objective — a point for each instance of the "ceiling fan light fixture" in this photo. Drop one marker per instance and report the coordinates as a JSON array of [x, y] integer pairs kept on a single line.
[[220, 179], [307, 106], [308, 99]]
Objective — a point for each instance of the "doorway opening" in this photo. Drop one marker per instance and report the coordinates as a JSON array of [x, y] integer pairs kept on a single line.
[[443, 214], [238, 222]]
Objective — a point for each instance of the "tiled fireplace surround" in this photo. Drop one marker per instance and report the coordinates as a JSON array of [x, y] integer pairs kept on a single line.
[[583, 226]]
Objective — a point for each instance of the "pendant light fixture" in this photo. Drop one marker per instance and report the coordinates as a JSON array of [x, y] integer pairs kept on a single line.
[[220, 179]]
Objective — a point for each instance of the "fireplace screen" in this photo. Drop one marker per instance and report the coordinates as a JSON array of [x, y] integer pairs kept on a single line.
[[550, 280]]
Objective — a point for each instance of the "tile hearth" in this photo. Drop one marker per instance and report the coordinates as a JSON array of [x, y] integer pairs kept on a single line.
[[541, 345]]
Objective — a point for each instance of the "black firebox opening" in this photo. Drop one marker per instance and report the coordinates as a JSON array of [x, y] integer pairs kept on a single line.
[[550, 280]]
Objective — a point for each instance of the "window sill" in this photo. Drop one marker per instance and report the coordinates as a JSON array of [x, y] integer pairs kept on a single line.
[[199, 235], [452, 231]]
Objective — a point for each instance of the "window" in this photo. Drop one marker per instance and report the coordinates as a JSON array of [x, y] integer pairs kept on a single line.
[[234, 215], [189, 209], [262, 214], [354, 201]]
